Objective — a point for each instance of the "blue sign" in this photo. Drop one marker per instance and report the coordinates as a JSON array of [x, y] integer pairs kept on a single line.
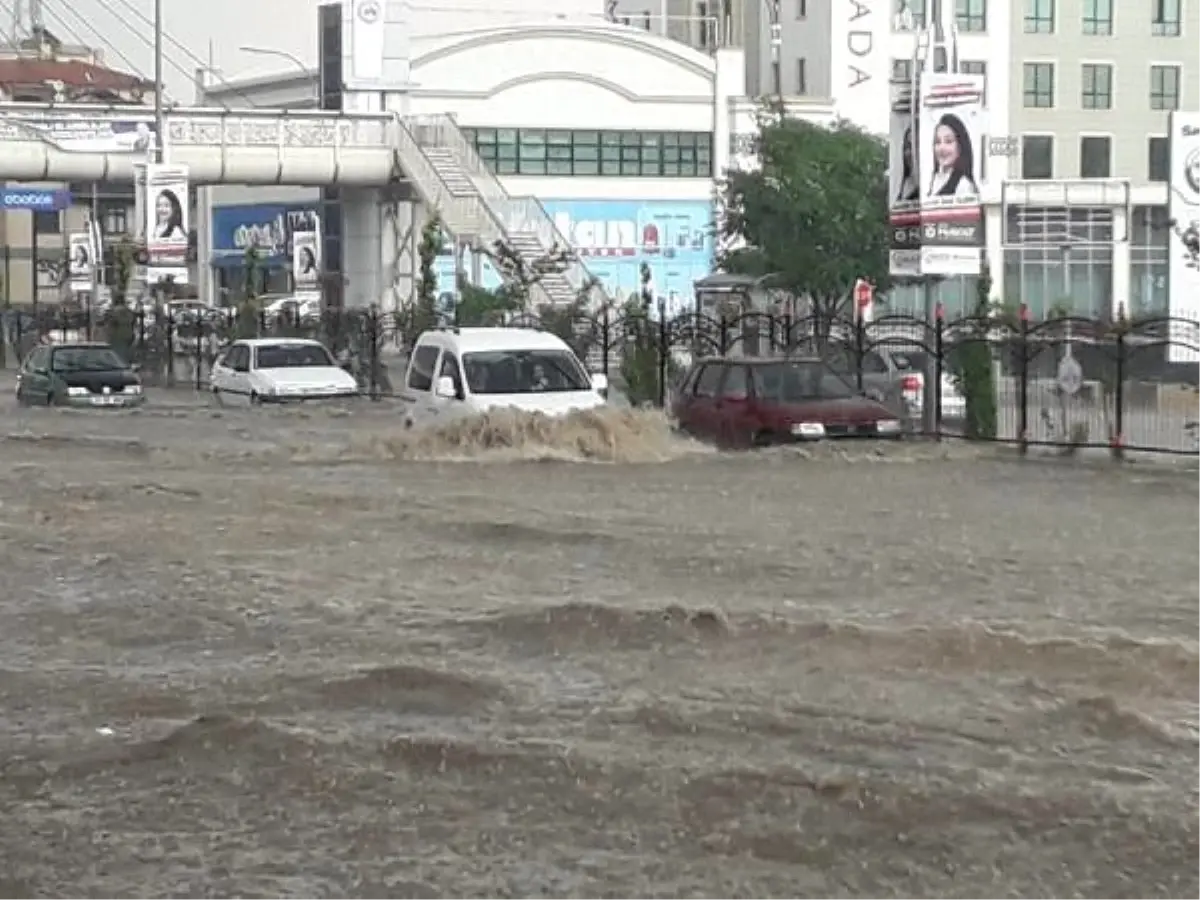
[[613, 238], [267, 226], [35, 199]]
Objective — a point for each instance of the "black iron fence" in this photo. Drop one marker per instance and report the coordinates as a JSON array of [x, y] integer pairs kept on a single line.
[[1067, 383]]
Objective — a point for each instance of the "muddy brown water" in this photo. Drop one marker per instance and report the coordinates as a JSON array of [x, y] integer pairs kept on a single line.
[[305, 654]]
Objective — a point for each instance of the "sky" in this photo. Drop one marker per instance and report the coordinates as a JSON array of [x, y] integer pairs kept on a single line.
[[200, 32]]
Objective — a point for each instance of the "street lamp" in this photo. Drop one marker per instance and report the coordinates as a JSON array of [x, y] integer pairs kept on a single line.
[[292, 58]]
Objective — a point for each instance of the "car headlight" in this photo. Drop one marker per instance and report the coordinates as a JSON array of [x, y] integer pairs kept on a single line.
[[888, 426], [77, 392], [133, 388]]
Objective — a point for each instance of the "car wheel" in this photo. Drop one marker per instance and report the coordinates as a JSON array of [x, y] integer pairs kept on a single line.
[[23, 399], [217, 398], [761, 439], [255, 400], [52, 399]]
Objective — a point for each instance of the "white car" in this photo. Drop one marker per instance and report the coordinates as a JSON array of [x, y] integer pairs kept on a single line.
[[300, 309], [458, 372], [278, 370]]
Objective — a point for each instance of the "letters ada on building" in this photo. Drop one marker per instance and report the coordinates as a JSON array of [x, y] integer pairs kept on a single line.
[[935, 175], [1183, 270]]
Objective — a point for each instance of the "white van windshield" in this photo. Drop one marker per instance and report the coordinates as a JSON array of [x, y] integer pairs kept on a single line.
[[523, 372]]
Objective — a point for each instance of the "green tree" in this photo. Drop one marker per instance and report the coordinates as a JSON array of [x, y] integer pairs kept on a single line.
[[814, 215], [424, 314], [121, 325], [253, 274], [519, 274], [976, 377]]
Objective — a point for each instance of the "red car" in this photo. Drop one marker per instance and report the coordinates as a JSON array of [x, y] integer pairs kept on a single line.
[[757, 402]]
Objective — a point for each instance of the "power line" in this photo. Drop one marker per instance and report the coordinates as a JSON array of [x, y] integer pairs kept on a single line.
[[99, 39], [147, 20]]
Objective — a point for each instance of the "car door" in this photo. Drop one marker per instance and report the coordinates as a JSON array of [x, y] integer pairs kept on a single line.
[[231, 374], [733, 414], [449, 368], [34, 378], [702, 409], [419, 385]]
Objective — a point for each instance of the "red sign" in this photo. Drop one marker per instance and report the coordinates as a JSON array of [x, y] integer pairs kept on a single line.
[[863, 293]]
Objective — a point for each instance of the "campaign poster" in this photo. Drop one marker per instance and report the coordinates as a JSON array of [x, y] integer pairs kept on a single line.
[[306, 261], [1183, 272]]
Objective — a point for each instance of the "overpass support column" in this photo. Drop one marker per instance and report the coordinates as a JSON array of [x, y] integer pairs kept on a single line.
[[400, 236], [362, 235]]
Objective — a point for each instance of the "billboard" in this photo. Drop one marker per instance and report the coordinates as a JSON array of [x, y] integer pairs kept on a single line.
[[949, 156], [1184, 244], [166, 210], [904, 188], [613, 238], [80, 133], [306, 261], [271, 227]]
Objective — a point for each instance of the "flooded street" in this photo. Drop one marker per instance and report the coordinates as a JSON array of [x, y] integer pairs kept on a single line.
[[301, 653]]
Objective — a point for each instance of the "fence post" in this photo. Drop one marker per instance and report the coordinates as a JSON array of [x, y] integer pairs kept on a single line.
[[1117, 438], [723, 335], [141, 336], [169, 346], [860, 347], [374, 334], [202, 326], [939, 365], [664, 353], [788, 326], [1023, 382], [605, 339]]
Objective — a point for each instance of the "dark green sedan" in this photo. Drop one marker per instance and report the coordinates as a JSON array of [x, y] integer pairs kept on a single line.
[[83, 375]]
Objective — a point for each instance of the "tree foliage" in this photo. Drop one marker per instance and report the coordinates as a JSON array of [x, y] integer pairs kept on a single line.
[[519, 275], [976, 377], [424, 313], [814, 215]]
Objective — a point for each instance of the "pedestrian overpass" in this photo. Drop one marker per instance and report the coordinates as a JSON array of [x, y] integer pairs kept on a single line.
[[369, 155]]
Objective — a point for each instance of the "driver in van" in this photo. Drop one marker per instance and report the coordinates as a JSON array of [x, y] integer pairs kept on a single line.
[[539, 381]]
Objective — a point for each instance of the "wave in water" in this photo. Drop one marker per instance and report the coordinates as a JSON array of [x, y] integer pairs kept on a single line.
[[602, 435]]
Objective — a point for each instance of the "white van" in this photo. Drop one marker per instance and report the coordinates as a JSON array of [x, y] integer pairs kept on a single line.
[[457, 372]]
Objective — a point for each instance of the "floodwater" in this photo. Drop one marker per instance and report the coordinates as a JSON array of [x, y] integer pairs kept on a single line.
[[301, 653]]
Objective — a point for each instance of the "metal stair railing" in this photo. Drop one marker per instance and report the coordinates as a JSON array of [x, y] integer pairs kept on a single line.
[[515, 214]]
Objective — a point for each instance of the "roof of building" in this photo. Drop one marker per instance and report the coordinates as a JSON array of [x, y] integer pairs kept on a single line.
[[74, 73]]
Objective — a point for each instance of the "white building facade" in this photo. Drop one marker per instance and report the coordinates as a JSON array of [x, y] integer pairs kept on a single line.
[[617, 134]]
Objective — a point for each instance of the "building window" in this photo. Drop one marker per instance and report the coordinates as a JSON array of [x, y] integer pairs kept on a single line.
[[975, 67], [706, 27], [1164, 87], [1097, 16], [971, 15], [1097, 86], [1167, 16], [47, 222], [559, 152], [1039, 85], [1159, 159], [1037, 156], [801, 9], [1039, 16], [1095, 157], [902, 70], [909, 15], [801, 76]]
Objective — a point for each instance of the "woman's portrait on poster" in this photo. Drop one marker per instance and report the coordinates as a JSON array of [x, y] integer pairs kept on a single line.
[[168, 217], [953, 160], [80, 260], [307, 262], [909, 189]]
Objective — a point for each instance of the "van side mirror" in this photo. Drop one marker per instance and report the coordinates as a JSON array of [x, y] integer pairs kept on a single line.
[[445, 388], [600, 383]]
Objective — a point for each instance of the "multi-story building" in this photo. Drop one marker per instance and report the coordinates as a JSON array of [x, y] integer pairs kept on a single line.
[[44, 69], [1094, 82]]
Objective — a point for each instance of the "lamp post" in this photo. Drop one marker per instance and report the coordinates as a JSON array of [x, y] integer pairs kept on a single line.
[[160, 130], [295, 60]]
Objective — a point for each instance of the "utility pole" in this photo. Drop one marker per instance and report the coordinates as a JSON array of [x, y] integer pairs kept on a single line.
[[159, 125], [776, 47]]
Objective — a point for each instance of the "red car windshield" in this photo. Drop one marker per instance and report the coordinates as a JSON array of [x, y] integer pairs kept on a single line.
[[800, 381]]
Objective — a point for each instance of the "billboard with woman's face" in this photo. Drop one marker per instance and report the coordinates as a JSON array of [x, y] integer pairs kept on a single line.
[[949, 150], [904, 186], [165, 208]]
